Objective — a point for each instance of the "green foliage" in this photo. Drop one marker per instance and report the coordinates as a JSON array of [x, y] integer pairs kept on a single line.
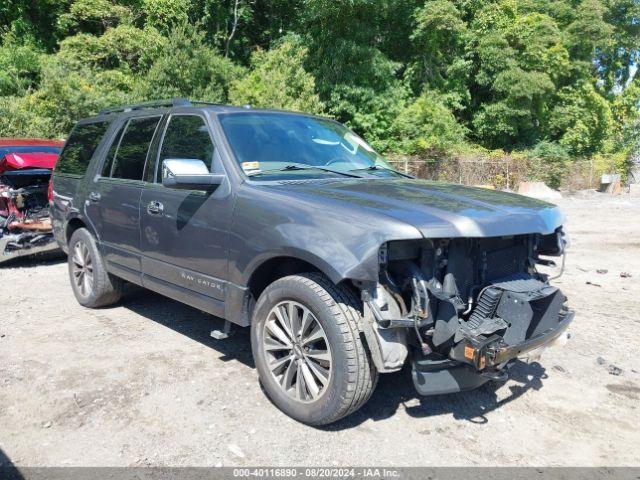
[[441, 37], [521, 60], [427, 125], [123, 47], [64, 96], [32, 21], [581, 120], [20, 67], [350, 48], [618, 162], [551, 162], [186, 66], [589, 31], [277, 79], [166, 14], [515, 117], [367, 111], [18, 120], [67, 95], [93, 16], [626, 120], [367, 95], [551, 78]]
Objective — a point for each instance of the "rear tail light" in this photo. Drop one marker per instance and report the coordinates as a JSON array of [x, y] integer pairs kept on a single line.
[[50, 192]]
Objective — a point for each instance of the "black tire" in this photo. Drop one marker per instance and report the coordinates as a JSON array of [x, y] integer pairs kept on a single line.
[[352, 376], [104, 289]]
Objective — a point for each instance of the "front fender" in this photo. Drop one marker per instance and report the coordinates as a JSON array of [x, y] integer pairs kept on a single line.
[[335, 269], [343, 245]]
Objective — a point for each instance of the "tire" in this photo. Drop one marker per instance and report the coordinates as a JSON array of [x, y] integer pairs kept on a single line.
[[95, 287], [348, 372]]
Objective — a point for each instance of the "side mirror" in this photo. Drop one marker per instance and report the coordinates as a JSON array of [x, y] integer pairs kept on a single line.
[[189, 174]]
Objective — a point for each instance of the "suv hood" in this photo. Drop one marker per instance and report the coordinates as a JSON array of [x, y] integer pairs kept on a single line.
[[437, 210]]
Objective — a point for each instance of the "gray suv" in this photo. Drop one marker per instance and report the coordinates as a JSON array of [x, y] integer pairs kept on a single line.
[[292, 225]]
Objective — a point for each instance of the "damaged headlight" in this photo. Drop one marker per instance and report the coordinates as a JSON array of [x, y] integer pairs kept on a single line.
[[553, 244]]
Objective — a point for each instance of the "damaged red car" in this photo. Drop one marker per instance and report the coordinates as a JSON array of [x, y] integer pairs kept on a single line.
[[25, 175]]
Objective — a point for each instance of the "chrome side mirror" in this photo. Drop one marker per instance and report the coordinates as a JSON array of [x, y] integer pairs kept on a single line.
[[189, 174]]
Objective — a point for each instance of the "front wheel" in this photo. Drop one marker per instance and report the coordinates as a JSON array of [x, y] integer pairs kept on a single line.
[[308, 351]]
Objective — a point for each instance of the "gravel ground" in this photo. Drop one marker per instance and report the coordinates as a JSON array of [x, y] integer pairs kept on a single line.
[[142, 383]]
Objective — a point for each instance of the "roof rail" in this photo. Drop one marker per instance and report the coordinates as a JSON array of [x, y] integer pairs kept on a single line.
[[200, 102], [174, 102]]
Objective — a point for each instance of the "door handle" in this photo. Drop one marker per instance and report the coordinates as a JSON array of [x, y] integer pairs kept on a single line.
[[155, 208], [94, 197]]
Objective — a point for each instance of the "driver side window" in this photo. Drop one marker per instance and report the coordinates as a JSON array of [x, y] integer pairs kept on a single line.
[[186, 136]]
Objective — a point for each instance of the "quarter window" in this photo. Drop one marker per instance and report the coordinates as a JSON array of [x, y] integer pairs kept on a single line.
[[80, 147], [132, 151], [111, 154], [187, 136]]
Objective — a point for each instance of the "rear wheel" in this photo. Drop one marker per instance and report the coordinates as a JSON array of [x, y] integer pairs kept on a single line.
[[92, 285], [308, 351]]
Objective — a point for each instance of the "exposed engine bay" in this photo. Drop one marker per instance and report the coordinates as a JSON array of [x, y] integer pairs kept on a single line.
[[25, 225], [463, 309]]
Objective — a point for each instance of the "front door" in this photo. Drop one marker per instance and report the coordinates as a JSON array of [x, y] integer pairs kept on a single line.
[[184, 232], [114, 199]]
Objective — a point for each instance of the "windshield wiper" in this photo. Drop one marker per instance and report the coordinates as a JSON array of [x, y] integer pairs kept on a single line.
[[378, 167], [294, 166]]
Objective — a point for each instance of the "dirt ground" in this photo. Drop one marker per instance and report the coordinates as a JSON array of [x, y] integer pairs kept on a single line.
[[143, 383]]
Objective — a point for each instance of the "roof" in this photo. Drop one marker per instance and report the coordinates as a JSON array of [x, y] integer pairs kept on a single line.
[[27, 142], [166, 104], [161, 107]]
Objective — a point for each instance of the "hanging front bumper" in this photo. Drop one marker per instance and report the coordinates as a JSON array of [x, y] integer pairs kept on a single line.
[[472, 364], [493, 352]]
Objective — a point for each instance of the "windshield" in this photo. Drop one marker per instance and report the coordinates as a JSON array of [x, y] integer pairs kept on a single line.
[[270, 146]]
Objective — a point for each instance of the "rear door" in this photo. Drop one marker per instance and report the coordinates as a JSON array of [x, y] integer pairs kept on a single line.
[[114, 199], [70, 171], [184, 232]]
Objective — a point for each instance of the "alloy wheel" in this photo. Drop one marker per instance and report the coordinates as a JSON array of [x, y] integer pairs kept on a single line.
[[82, 268], [297, 351]]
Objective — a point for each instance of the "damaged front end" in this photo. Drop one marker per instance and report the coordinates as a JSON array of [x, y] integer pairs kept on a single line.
[[25, 225], [463, 309]]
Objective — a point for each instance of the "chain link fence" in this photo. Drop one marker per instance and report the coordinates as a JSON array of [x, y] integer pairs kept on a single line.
[[502, 173]]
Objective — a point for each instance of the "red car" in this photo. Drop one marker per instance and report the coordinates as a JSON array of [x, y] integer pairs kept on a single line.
[[25, 175]]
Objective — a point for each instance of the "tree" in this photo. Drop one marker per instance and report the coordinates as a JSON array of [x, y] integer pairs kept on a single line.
[[20, 67], [427, 125], [123, 47], [63, 97], [186, 66], [551, 163], [165, 15], [92, 16], [440, 37], [413, 76], [32, 21], [626, 119], [581, 120], [277, 79], [520, 63]]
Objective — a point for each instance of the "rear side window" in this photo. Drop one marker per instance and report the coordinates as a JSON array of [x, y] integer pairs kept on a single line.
[[80, 147], [111, 154], [187, 136], [132, 151]]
